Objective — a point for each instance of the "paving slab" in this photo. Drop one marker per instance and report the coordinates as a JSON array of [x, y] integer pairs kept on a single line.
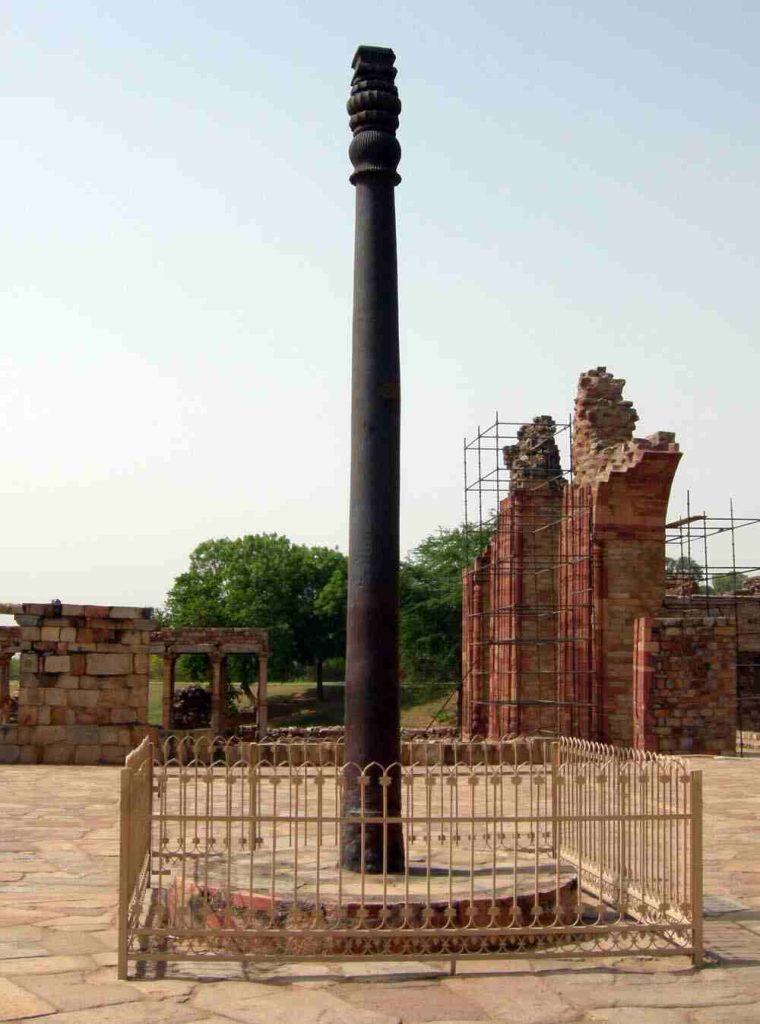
[[526, 999], [409, 1001], [262, 1004], [71, 992], [18, 1004]]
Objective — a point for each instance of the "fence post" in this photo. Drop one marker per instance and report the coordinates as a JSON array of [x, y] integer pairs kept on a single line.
[[556, 760], [125, 827], [697, 940], [149, 810]]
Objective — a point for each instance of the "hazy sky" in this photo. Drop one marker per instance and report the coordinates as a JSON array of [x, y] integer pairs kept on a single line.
[[580, 187]]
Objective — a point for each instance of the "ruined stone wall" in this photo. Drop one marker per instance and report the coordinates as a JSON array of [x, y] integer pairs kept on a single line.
[[523, 622], [742, 610], [510, 598], [629, 480], [571, 568], [684, 672], [580, 657], [83, 696], [475, 605]]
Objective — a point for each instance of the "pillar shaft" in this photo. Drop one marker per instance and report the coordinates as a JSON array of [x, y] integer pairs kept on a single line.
[[372, 681], [261, 698], [217, 694], [167, 693]]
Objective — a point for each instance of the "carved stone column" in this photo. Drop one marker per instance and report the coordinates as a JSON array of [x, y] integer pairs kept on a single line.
[[5, 676], [261, 697], [217, 693], [372, 679], [167, 692]]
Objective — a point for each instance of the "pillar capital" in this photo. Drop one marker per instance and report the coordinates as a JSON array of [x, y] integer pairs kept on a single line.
[[374, 108]]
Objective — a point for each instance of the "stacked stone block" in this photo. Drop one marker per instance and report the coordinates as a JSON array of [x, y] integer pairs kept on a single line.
[[83, 696], [684, 672]]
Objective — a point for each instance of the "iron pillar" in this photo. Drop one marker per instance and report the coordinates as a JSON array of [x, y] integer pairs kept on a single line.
[[372, 629]]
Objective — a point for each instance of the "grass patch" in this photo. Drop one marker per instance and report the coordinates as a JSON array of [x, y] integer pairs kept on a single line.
[[295, 703]]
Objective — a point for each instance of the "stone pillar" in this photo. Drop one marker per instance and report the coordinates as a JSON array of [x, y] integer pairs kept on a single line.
[[372, 678], [261, 697], [5, 691], [167, 692], [217, 693], [5, 676]]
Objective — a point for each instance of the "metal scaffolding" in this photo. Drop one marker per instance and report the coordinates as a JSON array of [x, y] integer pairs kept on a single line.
[[711, 571], [528, 639]]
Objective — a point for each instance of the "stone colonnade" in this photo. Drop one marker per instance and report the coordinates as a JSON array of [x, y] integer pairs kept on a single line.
[[10, 644], [218, 644]]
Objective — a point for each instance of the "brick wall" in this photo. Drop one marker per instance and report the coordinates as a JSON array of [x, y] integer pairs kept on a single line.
[[83, 696], [475, 603], [571, 569], [743, 611], [509, 624], [629, 480], [684, 685], [523, 624]]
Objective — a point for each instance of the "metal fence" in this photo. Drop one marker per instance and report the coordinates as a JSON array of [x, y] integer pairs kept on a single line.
[[231, 851]]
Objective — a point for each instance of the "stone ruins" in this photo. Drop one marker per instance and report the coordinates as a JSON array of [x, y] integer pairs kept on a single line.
[[84, 679], [569, 624]]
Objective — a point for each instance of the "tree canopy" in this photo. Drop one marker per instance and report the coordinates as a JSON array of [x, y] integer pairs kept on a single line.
[[298, 593], [684, 567], [265, 580], [728, 582], [431, 603]]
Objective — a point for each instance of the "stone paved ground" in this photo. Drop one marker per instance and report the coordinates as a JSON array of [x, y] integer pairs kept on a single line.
[[58, 871]]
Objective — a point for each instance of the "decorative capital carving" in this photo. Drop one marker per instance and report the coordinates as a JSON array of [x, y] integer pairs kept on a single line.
[[373, 108]]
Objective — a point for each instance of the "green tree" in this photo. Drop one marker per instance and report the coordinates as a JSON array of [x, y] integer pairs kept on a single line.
[[684, 567], [431, 603], [728, 582], [328, 638], [263, 580]]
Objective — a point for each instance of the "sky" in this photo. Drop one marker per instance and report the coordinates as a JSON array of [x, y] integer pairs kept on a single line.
[[580, 188]]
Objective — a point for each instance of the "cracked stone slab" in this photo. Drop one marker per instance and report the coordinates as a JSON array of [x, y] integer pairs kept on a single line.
[[253, 1003], [714, 906], [18, 1004], [524, 999], [68, 992], [46, 965], [636, 1015], [420, 1002]]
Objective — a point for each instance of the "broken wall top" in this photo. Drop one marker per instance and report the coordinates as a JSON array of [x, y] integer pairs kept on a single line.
[[57, 610], [534, 461], [603, 425]]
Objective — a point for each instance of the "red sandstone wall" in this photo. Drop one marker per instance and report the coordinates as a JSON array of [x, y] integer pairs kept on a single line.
[[579, 657], [475, 600], [509, 651], [564, 598], [629, 480]]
